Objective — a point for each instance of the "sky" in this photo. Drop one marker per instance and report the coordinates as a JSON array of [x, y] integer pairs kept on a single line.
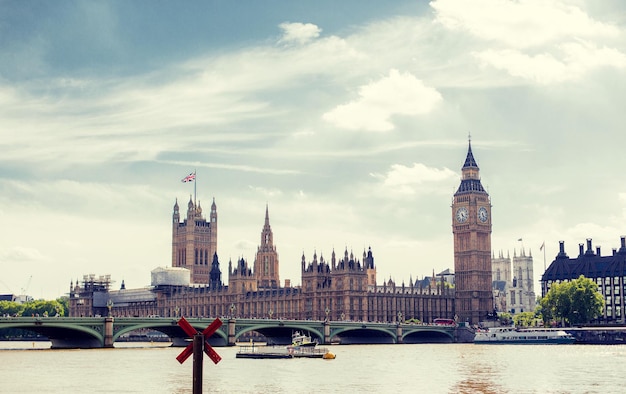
[[349, 120]]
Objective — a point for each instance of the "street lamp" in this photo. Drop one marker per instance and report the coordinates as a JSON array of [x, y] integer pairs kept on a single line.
[[327, 311], [270, 312], [110, 306], [343, 315], [232, 310], [176, 309], [399, 317]]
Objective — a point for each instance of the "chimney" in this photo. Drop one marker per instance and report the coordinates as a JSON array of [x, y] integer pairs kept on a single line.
[[581, 249], [562, 253], [622, 250], [598, 251]]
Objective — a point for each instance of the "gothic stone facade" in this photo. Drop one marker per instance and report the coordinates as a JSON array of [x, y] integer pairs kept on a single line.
[[344, 288], [513, 282], [471, 226]]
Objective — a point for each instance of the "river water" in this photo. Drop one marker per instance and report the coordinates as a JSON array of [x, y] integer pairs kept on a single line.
[[31, 367]]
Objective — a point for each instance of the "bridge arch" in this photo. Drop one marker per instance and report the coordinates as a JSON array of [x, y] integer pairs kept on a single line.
[[364, 334], [278, 333], [61, 333], [428, 335], [169, 328]]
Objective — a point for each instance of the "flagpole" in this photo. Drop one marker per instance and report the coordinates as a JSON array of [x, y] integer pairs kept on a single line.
[[195, 182], [544, 256]]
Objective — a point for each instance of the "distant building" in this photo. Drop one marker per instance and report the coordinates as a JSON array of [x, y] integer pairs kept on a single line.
[[471, 227], [501, 280], [7, 297], [343, 287], [513, 282], [609, 272], [522, 291], [194, 241]]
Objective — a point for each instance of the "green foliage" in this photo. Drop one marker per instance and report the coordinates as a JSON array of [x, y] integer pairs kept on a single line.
[[65, 306], [574, 302], [505, 318], [42, 308], [11, 308], [524, 319], [34, 308]]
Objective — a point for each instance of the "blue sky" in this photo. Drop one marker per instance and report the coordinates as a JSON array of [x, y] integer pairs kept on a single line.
[[349, 120]]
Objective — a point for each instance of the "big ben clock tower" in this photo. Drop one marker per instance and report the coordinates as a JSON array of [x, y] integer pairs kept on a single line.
[[471, 227]]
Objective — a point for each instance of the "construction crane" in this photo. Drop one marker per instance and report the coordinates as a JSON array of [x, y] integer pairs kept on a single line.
[[25, 288], [7, 286], [23, 297]]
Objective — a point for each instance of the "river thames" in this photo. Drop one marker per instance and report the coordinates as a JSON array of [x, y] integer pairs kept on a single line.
[[31, 367]]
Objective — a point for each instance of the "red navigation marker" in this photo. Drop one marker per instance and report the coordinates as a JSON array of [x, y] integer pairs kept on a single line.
[[189, 330]]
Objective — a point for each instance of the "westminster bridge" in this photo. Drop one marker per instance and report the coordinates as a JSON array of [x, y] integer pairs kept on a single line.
[[98, 332]]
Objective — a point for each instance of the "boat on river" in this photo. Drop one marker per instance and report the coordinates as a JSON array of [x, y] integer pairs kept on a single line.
[[301, 340], [269, 352], [262, 352], [512, 335], [301, 347]]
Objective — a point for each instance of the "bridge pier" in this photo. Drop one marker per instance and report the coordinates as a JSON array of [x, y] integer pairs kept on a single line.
[[231, 332], [326, 332], [108, 332], [399, 338]]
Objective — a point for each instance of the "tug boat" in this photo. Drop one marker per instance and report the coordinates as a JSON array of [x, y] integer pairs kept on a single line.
[[300, 340], [512, 335]]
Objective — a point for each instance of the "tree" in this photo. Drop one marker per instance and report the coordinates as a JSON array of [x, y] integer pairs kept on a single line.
[[524, 319], [10, 308], [64, 302], [574, 302], [42, 308], [505, 318]]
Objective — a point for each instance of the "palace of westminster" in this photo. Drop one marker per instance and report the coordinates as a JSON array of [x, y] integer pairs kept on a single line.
[[345, 287]]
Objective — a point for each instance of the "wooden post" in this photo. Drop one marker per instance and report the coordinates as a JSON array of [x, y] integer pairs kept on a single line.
[[198, 348]]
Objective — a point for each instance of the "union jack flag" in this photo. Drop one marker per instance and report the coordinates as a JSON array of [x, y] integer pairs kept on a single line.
[[189, 178]]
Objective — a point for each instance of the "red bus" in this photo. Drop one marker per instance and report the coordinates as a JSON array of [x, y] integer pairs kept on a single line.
[[444, 322]]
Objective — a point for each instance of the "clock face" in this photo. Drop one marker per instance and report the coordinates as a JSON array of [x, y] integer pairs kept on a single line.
[[461, 215], [483, 215]]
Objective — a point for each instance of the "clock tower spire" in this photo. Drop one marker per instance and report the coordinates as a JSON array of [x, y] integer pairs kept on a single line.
[[471, 227]]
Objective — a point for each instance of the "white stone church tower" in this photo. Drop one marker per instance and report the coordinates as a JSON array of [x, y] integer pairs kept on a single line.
[[513, 282]]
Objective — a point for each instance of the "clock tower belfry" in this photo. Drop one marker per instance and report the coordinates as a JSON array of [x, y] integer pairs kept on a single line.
[[471, 227]]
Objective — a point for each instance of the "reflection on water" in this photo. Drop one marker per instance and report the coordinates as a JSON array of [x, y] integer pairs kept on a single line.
[[477, 374], [442, 368]]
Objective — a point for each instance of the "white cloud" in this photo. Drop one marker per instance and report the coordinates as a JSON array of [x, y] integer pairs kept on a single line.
[[403, 180], [18, 254], [264, 191], [535, 40], [576, 59], [522, 23], [299, 33], [396, 94]]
